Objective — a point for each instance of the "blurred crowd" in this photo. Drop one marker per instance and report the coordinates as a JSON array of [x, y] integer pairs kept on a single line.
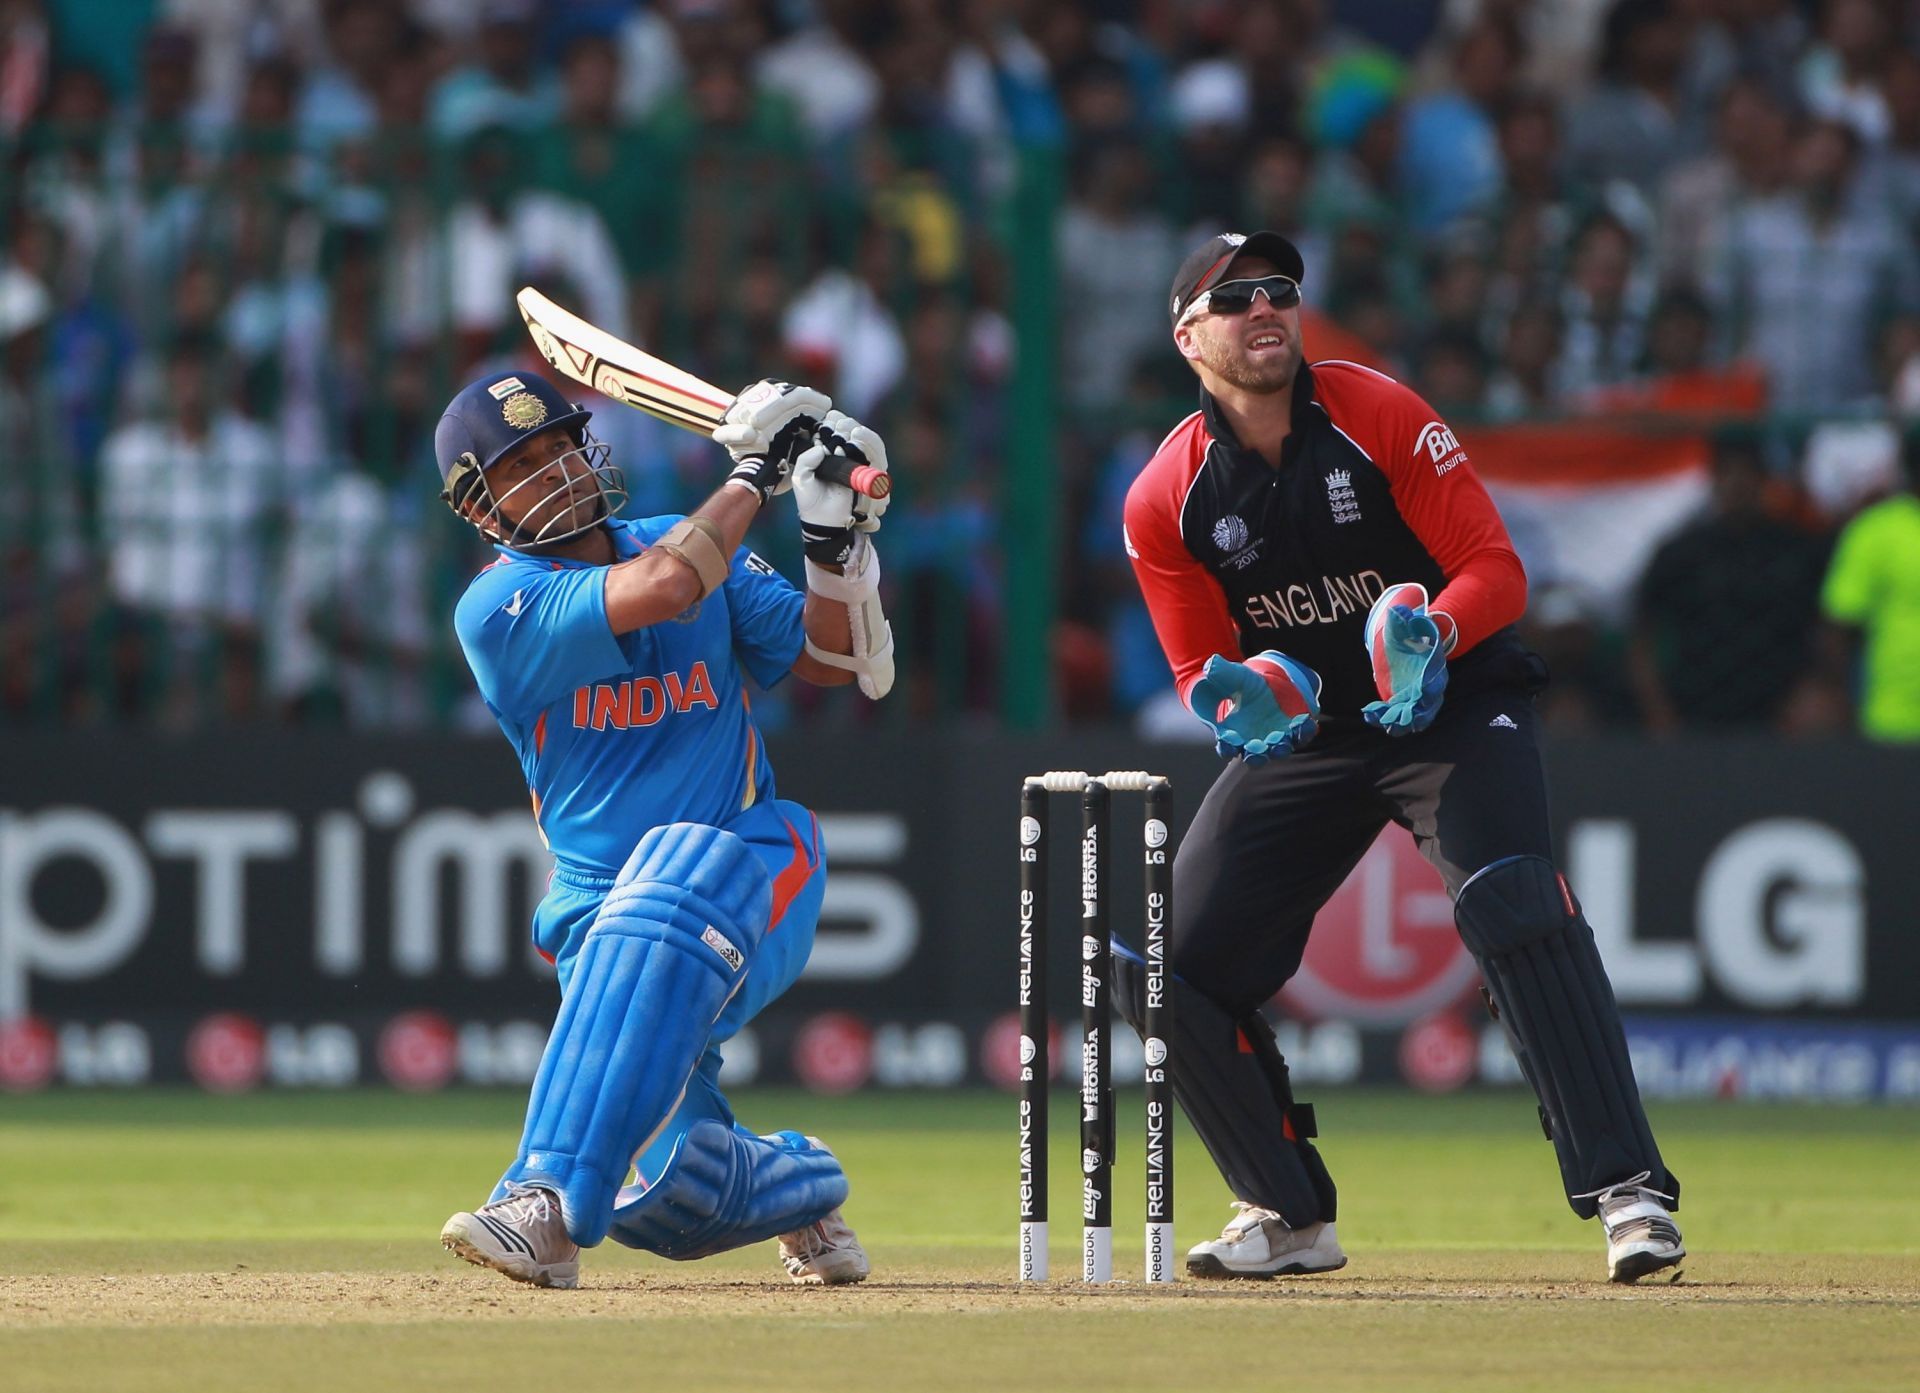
[[251, 247]]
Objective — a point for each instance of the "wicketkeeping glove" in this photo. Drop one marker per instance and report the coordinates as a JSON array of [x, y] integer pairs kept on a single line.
[[1408, 648], [1260, 709], [765, 430]]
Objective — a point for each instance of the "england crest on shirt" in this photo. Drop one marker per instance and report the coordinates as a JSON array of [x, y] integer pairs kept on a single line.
[[1340, 496]]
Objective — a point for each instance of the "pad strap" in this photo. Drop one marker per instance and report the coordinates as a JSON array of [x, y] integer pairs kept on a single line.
[[696, 541], [858, 588]]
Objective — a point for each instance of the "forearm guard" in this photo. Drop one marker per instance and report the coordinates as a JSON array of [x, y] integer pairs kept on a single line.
[[858, 588]]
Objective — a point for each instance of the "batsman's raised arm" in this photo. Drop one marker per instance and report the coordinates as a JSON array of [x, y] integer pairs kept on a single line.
[[766, 429], [783, 438]]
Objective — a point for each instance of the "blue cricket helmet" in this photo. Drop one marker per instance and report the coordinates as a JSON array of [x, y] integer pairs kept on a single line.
[[491, 418]]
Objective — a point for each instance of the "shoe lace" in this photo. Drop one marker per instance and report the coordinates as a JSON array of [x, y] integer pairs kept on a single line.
[[1633, 1186], [526, 1204], [1246, 1216], [807, 1243]]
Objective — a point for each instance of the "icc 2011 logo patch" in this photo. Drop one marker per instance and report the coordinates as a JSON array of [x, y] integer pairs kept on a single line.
[[1230, 533]]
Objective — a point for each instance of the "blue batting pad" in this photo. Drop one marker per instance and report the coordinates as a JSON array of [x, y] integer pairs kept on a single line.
[[669, 948], [787, 839], [725, 1189]]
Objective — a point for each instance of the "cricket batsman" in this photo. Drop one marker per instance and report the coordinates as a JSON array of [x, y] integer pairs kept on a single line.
[[1336, 595], [615, 655]]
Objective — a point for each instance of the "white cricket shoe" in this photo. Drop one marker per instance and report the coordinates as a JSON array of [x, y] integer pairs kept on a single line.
[[522, 1236], [1257, 1243], [1641, 1234], [824, 1253]]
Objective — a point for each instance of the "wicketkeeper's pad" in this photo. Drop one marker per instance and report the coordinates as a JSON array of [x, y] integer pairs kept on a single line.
[[1550, 988], [1231, 1082]]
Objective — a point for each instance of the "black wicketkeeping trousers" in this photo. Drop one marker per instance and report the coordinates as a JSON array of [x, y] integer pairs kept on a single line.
[[1272, 842]]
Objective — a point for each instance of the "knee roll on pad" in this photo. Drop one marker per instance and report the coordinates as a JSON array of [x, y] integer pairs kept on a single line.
[[671, 945], [724, 1189], [1240, 1100], [1534, 947]]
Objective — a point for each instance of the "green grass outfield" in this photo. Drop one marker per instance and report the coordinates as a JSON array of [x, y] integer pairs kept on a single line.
[[174, 1241]]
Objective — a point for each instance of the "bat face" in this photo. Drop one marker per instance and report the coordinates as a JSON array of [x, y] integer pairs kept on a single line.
[[618, 370]]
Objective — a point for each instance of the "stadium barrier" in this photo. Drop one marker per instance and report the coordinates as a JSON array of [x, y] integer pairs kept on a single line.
[[318, 910]]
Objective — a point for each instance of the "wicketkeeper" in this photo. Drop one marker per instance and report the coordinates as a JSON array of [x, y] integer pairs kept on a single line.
[[1336, 594], [614, 654]]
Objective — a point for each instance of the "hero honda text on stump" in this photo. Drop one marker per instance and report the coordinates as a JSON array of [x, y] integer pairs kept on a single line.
[[1097, 1116]]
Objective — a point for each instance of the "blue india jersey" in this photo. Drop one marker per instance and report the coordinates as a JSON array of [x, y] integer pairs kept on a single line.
[[618, 734]]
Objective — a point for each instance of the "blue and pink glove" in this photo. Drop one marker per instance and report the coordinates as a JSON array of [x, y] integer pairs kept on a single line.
[[1409, 650], [1262, 708]]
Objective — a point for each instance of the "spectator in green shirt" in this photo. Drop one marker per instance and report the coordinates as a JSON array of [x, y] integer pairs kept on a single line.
[[1873, 592]]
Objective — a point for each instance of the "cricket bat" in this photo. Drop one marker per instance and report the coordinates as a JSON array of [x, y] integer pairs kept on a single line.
[[633, 377]]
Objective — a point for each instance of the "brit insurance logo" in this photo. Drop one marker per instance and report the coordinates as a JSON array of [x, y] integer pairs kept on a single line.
[[1231, 535], [1442, 447]]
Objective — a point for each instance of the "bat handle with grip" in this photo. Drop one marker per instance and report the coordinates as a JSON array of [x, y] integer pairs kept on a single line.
[[861, 478]]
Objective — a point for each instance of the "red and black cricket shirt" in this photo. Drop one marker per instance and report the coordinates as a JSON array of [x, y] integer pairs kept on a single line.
[[1235, 556]]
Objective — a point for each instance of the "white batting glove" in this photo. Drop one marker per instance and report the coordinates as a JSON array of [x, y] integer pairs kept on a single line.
[[827, 516], [845, 436], [767, 426]]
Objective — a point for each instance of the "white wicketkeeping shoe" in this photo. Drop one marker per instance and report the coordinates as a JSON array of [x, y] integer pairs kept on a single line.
[[824, 1254], [1641, 1234], [522, 1236], [1257, 1243]]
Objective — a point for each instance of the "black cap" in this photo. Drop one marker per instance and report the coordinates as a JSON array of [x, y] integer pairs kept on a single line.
[[1207, 264]]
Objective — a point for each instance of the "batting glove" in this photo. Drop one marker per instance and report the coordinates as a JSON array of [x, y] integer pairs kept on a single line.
[[765, 430], [827, 518], [844, 436]]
